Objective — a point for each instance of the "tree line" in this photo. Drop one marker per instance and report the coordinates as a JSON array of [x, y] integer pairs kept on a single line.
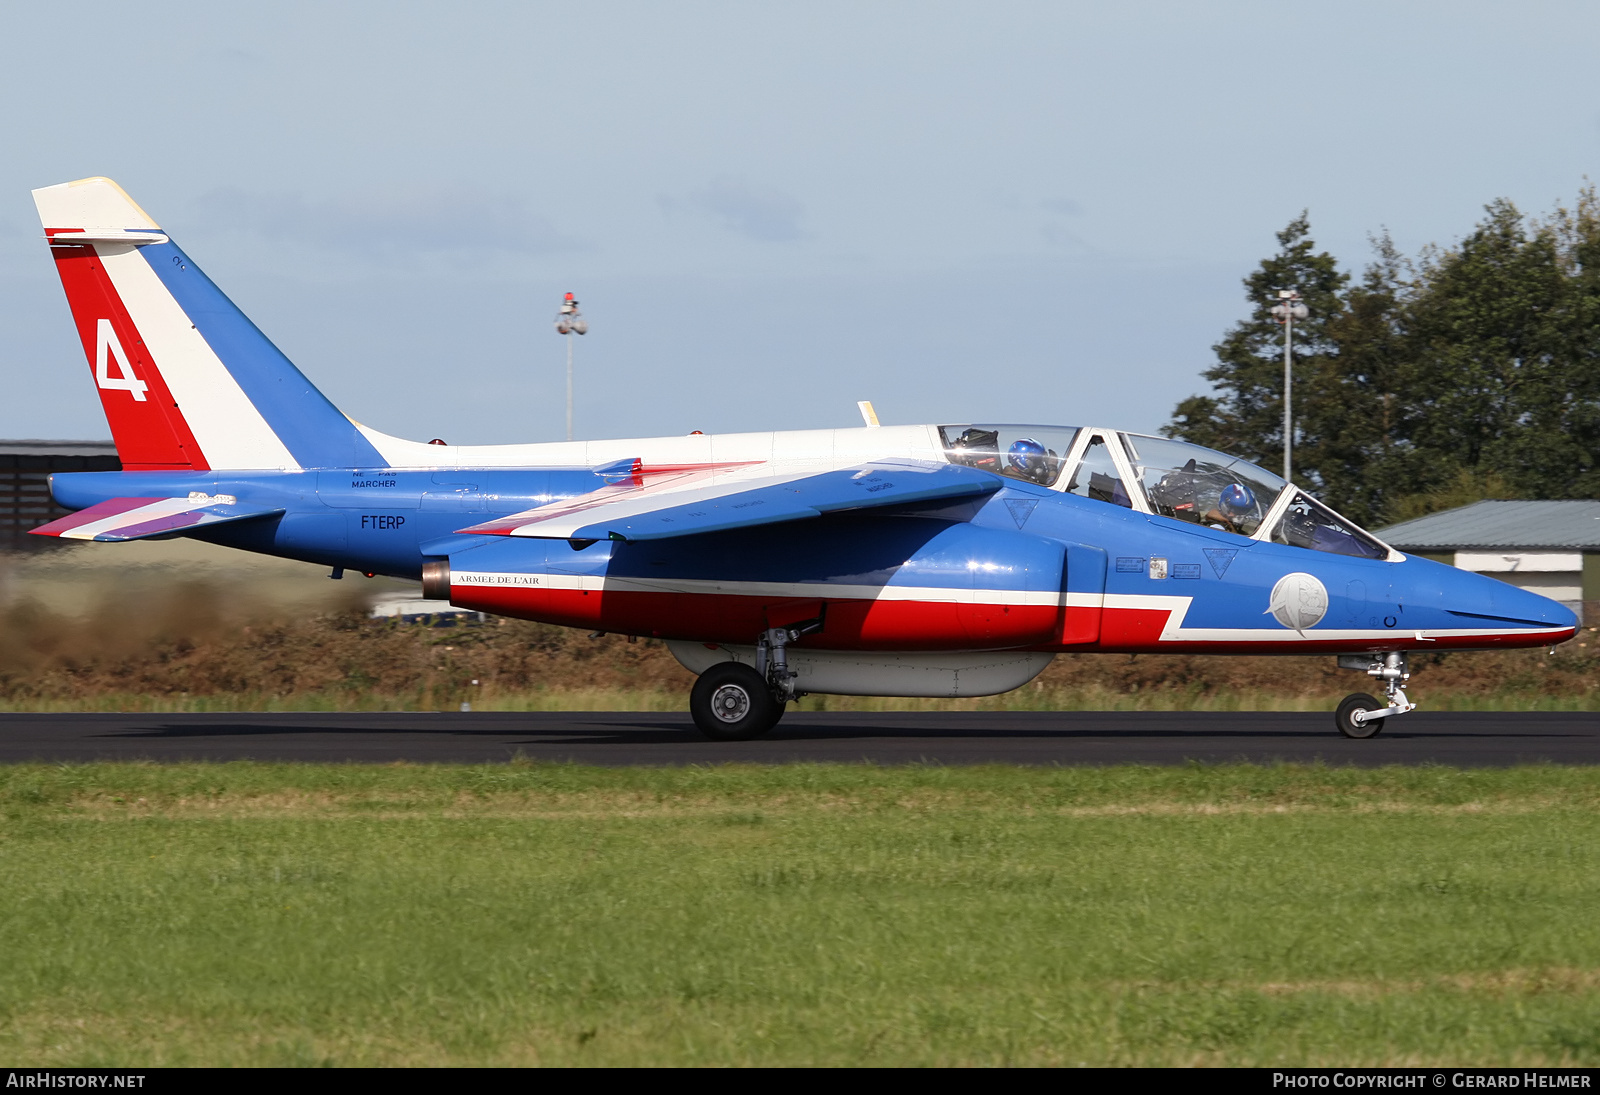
[[1467, 372]]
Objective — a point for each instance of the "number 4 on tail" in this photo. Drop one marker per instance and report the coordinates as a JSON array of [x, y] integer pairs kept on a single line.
[[106, 347]]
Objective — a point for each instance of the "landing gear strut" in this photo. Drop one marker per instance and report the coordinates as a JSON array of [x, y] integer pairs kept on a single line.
[[733, 702], [1361, 715]]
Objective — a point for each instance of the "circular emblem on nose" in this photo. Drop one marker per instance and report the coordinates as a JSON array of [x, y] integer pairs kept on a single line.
[[1298, 601]]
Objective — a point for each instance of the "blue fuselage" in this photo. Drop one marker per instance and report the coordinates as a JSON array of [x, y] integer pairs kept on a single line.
[[1156, 583]]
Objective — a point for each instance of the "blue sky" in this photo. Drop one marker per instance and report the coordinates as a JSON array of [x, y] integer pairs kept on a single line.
[[982, 211]]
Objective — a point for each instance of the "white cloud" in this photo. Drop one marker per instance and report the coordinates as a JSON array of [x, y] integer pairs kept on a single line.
[[1066, 207], [432, 220], [1058, 236], [759, 212]]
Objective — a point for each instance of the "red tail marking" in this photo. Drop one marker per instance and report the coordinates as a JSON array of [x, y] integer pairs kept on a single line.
[[150, 433]]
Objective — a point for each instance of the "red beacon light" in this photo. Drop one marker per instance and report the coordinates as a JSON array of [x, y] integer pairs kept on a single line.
[[568, 319]]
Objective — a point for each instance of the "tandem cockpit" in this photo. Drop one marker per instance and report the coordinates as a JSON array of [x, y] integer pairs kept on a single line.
[[1163, 477]]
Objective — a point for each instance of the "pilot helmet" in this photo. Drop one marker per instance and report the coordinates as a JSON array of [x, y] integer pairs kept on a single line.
[[1237, 498], [1027, 456]]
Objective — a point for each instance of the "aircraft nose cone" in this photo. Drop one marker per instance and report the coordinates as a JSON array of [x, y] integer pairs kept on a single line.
[[1528, 605], [1490, 597], [1460, 600]]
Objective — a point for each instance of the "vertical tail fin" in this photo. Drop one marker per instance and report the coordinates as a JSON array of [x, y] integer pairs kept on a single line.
[[186, 380]]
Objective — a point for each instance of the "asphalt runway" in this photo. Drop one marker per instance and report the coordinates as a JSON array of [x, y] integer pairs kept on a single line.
[[1068, 737]]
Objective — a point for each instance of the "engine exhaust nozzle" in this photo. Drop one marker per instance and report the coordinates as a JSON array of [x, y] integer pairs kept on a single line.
[[436, 580]]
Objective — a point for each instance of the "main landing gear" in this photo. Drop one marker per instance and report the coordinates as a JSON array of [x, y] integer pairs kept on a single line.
[[1361, 715], [733, 702], [730, 702]]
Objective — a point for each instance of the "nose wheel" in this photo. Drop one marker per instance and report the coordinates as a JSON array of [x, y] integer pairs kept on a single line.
[[1362, 716], [1355, 718]]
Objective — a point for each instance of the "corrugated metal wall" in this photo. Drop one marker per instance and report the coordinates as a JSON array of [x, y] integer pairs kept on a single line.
[[25, 501]]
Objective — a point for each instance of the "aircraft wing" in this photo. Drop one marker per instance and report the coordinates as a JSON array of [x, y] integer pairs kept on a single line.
[[144, 518], [683, 505]]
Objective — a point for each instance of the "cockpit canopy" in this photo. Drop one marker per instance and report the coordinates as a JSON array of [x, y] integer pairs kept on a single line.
[[1203, 486], [1160, 476], [1032, 453]]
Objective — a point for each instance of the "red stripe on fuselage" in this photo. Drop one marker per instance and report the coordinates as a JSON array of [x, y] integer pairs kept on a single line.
[[1138, 631], [1131, 628], [913, 625], [851, 624], [1404, 640], [151, 434]]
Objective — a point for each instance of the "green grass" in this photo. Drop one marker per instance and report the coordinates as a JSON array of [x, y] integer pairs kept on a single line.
[[534, 914]]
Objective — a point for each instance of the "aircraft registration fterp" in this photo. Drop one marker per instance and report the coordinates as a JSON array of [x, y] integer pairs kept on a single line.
[[935, 560]]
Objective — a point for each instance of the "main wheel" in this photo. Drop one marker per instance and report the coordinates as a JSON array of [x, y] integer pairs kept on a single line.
[[730, 702], [1345, 716]]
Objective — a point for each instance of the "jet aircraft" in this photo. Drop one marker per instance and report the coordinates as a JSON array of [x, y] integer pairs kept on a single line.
[[948, 559]]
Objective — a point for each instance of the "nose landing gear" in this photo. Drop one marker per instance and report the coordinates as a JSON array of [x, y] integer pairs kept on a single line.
[[1360, 715]]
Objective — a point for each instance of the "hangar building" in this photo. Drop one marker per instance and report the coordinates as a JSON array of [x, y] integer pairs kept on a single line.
[[25, 501], [1552, 548]]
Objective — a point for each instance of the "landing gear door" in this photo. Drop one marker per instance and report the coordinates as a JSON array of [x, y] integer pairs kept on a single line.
[[1083, 586]]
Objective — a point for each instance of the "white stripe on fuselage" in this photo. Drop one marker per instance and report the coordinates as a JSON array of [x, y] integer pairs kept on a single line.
[[1177, 610], [1172, 631], [785, 590]]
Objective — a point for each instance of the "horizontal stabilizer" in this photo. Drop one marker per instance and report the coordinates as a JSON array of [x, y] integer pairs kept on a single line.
[[146, 518], [77, 237], [685, 504]]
